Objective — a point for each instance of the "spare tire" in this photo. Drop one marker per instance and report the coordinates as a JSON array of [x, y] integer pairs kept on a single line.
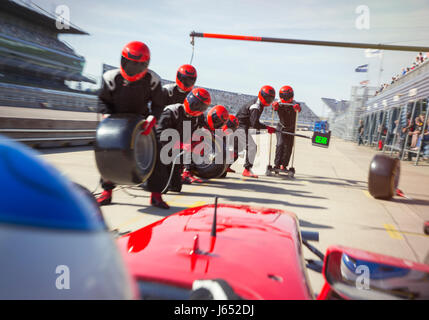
[[383, 178], [123, 155], [210, 169]]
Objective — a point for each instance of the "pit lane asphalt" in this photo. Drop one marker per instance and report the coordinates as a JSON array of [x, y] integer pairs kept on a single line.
[[328, 194]]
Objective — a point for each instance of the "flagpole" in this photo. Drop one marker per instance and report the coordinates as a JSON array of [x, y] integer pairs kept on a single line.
[[381, 68]]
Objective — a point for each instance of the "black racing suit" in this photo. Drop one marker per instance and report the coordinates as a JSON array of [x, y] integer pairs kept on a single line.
[[173, 117], [248, 117], [287, 117], [118, 95], [172, 94]]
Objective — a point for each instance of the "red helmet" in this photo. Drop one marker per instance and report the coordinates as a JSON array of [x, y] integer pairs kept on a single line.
[[267, 95], [286, 94], [232, 123], [186, 77], [134, 61], [197, 101], [217, 117]]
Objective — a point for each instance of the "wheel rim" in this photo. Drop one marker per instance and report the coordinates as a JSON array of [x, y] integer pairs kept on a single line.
[[144, 152]]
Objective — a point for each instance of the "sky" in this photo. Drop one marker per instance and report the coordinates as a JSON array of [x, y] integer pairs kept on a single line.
[[242, 66]]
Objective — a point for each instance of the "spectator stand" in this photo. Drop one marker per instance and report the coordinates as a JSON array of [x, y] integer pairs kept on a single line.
[[419, 107], [391, 127], [381, 120]]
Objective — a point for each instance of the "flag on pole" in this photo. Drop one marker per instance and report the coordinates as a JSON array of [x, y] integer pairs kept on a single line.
[[362, 68], [370, 53]]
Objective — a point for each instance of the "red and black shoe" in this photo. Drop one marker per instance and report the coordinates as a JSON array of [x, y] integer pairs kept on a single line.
[[189, 178], [230, 170], [195, 179], [249, 173], [186, 177], [105, 198], [156, 201]]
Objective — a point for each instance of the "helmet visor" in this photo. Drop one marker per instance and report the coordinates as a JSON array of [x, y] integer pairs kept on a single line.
[[195, 104], [286, 95], [267, 97], [217, 121], [231, 124], [187, 81], [133, 68]]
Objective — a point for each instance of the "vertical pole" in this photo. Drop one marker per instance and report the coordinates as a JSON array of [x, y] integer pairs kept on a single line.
[[369, 130], [381, 68], [214, 224], [423, 131], [407, 136], [398, 128], [293, 151], [271, 137]]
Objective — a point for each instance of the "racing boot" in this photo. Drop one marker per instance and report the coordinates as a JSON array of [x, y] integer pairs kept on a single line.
[[156, 201], [230, 170], [195, 179], [249, 173], [105, 198], [186, 177], [276, 169], [189, 178]]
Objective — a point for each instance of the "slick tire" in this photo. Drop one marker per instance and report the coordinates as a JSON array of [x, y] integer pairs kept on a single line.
[[383, 178], [209, 169], [123, 155]]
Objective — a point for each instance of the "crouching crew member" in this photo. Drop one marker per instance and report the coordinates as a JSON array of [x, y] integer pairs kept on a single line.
[[248, 117], [129, 90], [173, 117], [217, 117], [287, 122], [173, 93]]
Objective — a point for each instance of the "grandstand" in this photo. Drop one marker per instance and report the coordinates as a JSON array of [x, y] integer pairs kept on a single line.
[[388, 116], [34, 63], [391, 117]]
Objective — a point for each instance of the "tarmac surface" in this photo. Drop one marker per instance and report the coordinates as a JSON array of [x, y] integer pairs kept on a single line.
[[328, 194]]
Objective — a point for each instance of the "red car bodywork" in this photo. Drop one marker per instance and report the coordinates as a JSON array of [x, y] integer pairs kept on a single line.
[[256, 250]]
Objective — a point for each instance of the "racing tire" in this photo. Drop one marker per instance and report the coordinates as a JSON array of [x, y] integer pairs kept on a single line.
[[383, 178], [123, 154], [212, 170]]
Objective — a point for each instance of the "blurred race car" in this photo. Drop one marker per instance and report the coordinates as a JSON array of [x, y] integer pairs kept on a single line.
[[55, 245], [258, 253], [54, 241]]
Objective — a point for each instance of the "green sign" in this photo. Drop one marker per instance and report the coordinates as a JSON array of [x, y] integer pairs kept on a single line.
[[321, 140]]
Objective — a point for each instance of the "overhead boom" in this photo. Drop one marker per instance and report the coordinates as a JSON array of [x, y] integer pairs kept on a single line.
[[311, 42]]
